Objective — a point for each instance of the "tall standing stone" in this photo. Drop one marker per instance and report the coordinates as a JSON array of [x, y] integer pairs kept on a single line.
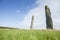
[[49, 23], [31, 26]]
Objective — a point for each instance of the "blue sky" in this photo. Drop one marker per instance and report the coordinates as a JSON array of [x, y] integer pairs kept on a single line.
[[18, 13], [13, 11]]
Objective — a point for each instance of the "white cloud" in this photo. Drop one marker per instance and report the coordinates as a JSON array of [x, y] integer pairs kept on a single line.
[[18, 11], [39, 13]]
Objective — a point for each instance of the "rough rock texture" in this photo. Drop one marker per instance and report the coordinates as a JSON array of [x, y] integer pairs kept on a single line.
[[49, 23]]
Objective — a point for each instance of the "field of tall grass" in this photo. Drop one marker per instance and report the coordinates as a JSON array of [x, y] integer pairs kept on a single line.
[[17, 34]]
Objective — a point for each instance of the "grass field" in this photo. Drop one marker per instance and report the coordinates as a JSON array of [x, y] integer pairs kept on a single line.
[[16, 34]]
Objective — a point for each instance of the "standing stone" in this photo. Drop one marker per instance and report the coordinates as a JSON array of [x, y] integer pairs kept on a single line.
[[49, 23], [31, 26]]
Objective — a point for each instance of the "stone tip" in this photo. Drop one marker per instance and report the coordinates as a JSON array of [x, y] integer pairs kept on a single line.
[[46, 6]]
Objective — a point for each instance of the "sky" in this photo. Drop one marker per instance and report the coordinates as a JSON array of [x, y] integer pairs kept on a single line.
[[18, 13]]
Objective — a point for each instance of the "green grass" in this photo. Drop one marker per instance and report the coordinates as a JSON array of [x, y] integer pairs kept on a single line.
[[15, 34]]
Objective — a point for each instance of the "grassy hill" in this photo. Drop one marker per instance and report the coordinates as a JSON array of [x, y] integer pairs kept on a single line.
[[1, 27], [16, 34]]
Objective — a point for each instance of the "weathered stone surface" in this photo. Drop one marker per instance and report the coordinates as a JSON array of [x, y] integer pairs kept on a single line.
[[31, 26], [49, 23]]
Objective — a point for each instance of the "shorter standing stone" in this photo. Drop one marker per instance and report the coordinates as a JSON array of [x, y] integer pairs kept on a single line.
[[31, 26]]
